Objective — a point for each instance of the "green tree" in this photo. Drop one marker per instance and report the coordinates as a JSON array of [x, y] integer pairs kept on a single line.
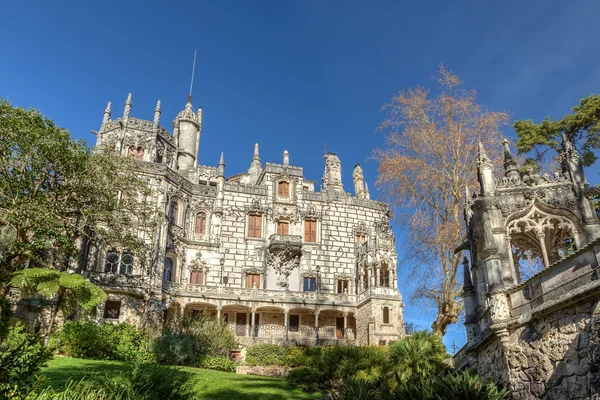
[[582, 128], [72, 291], [55, 193]]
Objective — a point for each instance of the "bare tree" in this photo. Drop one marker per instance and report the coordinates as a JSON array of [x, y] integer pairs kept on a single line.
[[425, 165]]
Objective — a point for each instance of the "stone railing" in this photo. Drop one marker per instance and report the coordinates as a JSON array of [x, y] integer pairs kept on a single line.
[[570, 277], [292, 239], [377, 291], [253, 294], [119, 280]]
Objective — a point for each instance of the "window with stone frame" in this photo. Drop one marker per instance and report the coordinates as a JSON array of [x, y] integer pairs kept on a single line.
[[283, 189], [136, 153], [112, 309], [343, 286], [197, 276], [283, 228], [121, 263], [200, 226], [310, 231], [386, 315], [384, 275], [174, 212], [255, 225], [252, 280], [168, 269], [361, 237], [310, 284]]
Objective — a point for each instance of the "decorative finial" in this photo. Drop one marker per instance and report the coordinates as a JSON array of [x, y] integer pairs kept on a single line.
[[199, 114], [127, 106], [222, 159], [367, 193], [510, 165], [157, 114], [286, 157], [256, 155], [106, 114]]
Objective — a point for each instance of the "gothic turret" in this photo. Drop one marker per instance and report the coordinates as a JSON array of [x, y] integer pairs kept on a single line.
[[332, 177], [187, 127], [359, 182], [485, 173], [106, 115], [510, 165]]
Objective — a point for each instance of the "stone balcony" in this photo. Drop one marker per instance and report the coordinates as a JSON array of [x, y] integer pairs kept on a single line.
[[292, 244], [120, 282], [255, 294]]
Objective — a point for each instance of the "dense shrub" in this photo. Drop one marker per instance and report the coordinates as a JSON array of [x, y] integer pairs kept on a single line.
[[123, 342], [142, 382], [417, 356], [212, 338], [218, 363], [21, 357], [461, 385], [306, 378], [272, 354], [175, 349]]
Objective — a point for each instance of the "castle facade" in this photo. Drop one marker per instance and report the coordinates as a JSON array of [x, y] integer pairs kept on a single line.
[[263, 250]]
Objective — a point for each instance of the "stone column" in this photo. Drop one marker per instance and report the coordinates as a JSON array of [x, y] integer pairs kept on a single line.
[[541, 236], [218, 314], [378, 275], [345, 335], [317, 326], [514, 268], [286, 314], [253, 319]]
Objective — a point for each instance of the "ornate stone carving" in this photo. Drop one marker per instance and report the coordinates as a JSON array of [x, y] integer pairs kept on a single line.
[[498, 304], [284, 212], [283, 255]]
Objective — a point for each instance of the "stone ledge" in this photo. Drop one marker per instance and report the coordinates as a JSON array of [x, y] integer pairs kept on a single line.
[[274, 370]]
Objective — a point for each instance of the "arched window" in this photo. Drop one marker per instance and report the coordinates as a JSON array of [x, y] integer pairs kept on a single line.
[[200, 222], [136, 152], [168, 270], [174, 212], [197, 277], [283, 189], [121, 263], [111, 262], [126, 265], [386, 315]]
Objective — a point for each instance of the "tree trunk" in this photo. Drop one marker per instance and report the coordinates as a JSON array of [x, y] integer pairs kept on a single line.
[[60, 294]]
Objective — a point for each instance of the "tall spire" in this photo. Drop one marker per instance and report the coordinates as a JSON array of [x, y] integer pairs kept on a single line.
[[106, 114], [510, 165], [485, 172], [367, 193], [157, 115], [127, 107], [221, 166], [255, 165]]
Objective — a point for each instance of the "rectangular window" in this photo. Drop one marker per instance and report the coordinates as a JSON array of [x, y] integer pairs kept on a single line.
[[283, 228], [360, 238], [386, 315], [197, 277], [294, 323], [343, 286], [283, 189], [310, 231], [255, 226], [112, 309], [251, 280], [309, 284]]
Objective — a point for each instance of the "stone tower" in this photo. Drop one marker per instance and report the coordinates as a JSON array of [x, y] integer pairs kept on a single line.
[[186, 128]]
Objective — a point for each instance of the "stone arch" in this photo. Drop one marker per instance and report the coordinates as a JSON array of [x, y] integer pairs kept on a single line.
[[539, 236]]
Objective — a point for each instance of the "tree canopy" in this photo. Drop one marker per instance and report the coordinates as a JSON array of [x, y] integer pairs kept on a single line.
[[582, 128], [427, 161], [55, 191]]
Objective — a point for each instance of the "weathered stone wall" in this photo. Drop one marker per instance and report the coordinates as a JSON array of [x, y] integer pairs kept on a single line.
[[552, 357]]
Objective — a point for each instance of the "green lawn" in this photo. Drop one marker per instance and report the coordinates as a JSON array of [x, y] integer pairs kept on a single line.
[[208, 384]]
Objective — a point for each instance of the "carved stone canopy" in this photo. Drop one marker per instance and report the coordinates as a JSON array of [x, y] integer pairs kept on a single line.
[[283, 255]]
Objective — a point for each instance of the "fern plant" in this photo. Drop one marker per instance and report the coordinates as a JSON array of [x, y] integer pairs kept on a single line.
[[71, 291]]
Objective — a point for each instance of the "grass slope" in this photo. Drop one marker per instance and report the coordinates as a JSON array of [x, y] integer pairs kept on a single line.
[[208, 384]]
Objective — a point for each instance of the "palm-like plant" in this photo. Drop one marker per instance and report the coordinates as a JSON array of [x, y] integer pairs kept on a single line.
[[416, 357], [71, 290]]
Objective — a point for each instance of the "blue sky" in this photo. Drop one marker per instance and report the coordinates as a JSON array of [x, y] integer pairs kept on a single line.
[[294, 74]]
